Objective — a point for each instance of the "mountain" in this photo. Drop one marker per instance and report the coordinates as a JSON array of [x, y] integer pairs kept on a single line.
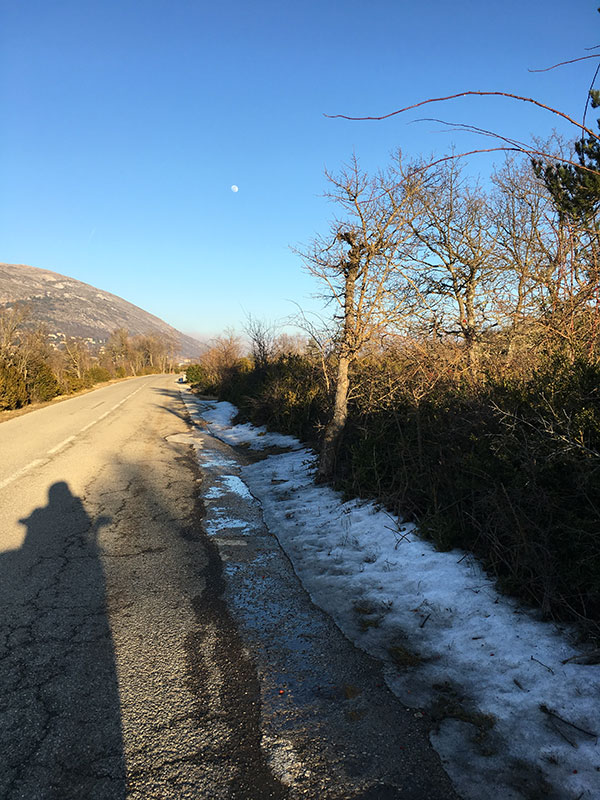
[[71, 308]]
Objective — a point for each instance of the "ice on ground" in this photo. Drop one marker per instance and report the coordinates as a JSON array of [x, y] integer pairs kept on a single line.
[[221, 523], [214, 493], [526, 720], [215, 461], [236, 485], [228, 483], [220, 416]]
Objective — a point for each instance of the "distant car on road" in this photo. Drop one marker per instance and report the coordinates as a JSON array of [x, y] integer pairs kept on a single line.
[[182, 379]]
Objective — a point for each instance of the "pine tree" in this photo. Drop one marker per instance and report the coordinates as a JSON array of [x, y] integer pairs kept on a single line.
[[576, 189]]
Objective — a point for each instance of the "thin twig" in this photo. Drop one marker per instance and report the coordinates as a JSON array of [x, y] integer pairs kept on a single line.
[[582, 657], [551, 713], [422, 625], [562, 63], [401, 537], [543, 665], [561, 733]]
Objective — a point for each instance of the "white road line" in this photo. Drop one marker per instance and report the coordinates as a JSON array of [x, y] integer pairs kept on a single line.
[[57, 448], [19, 473], [110, 410], [60, 446], [106, 413]]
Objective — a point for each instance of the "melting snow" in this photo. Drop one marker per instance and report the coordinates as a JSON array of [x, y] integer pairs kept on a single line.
[[441, 626], [220, 416], [235, 484]]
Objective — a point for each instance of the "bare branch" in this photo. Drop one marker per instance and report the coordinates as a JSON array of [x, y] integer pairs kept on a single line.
[[512, 145], [563, 63], [470, 94], [589, 95]]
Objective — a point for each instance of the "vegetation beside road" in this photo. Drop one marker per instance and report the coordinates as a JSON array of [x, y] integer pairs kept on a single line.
[[33, 370], [506, 468]]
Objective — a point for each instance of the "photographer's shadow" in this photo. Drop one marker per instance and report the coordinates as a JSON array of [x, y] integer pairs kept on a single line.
[[60, 734]]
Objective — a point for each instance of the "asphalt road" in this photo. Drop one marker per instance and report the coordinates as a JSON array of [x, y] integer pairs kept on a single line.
[[133, 664]]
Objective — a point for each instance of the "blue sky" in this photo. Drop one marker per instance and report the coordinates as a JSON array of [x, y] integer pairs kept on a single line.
[[125, 123]]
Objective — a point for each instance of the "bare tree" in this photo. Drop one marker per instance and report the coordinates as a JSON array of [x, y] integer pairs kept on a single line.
[[11, 322], [150, 351], [320, 338], [77, 356], [505, 144], [523, 225], [223, 354], [287, 343], [118, 347], [355, 262], [262, 337], [458, 269]]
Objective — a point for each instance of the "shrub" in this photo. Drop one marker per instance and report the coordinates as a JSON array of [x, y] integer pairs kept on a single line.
[[508, 470], [287, 394], [196, 375], [41, 382], [95, 375], [507, 467], [13, 390], [70, 383]]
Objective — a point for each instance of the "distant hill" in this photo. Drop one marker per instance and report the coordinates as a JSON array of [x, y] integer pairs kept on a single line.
[[72, 308]]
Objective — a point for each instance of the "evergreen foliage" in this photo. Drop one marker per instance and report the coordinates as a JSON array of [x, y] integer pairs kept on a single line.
[[41, 383], [96, 374], [576, 189], [197, 375], [13, 390]]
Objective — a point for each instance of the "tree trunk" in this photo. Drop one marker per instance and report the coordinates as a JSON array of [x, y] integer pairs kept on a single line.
[[348, 348], [473, 356], [470, 330], [334, 429]]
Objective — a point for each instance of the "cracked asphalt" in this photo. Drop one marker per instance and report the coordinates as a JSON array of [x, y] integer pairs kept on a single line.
[[141, 656]]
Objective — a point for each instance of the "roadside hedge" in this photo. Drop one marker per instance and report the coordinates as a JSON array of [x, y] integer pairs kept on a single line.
[[508, 468]]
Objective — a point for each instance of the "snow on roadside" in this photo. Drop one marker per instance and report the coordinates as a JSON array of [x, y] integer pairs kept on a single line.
[[520, 717], [259, 438]]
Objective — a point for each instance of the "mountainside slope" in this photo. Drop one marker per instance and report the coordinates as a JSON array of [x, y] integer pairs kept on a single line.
[[71, 308]]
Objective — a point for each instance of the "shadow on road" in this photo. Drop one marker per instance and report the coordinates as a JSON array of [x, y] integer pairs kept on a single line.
[[60, 728], [177, 410]]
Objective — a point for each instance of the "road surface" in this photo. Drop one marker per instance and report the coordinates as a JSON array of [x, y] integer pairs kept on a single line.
[[133, 664]]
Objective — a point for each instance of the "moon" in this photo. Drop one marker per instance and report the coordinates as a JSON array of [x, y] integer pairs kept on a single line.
[[235, 188]]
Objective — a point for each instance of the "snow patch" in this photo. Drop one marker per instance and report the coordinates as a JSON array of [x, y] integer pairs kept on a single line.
[[237, 485], [494, 671], [219, 417]]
